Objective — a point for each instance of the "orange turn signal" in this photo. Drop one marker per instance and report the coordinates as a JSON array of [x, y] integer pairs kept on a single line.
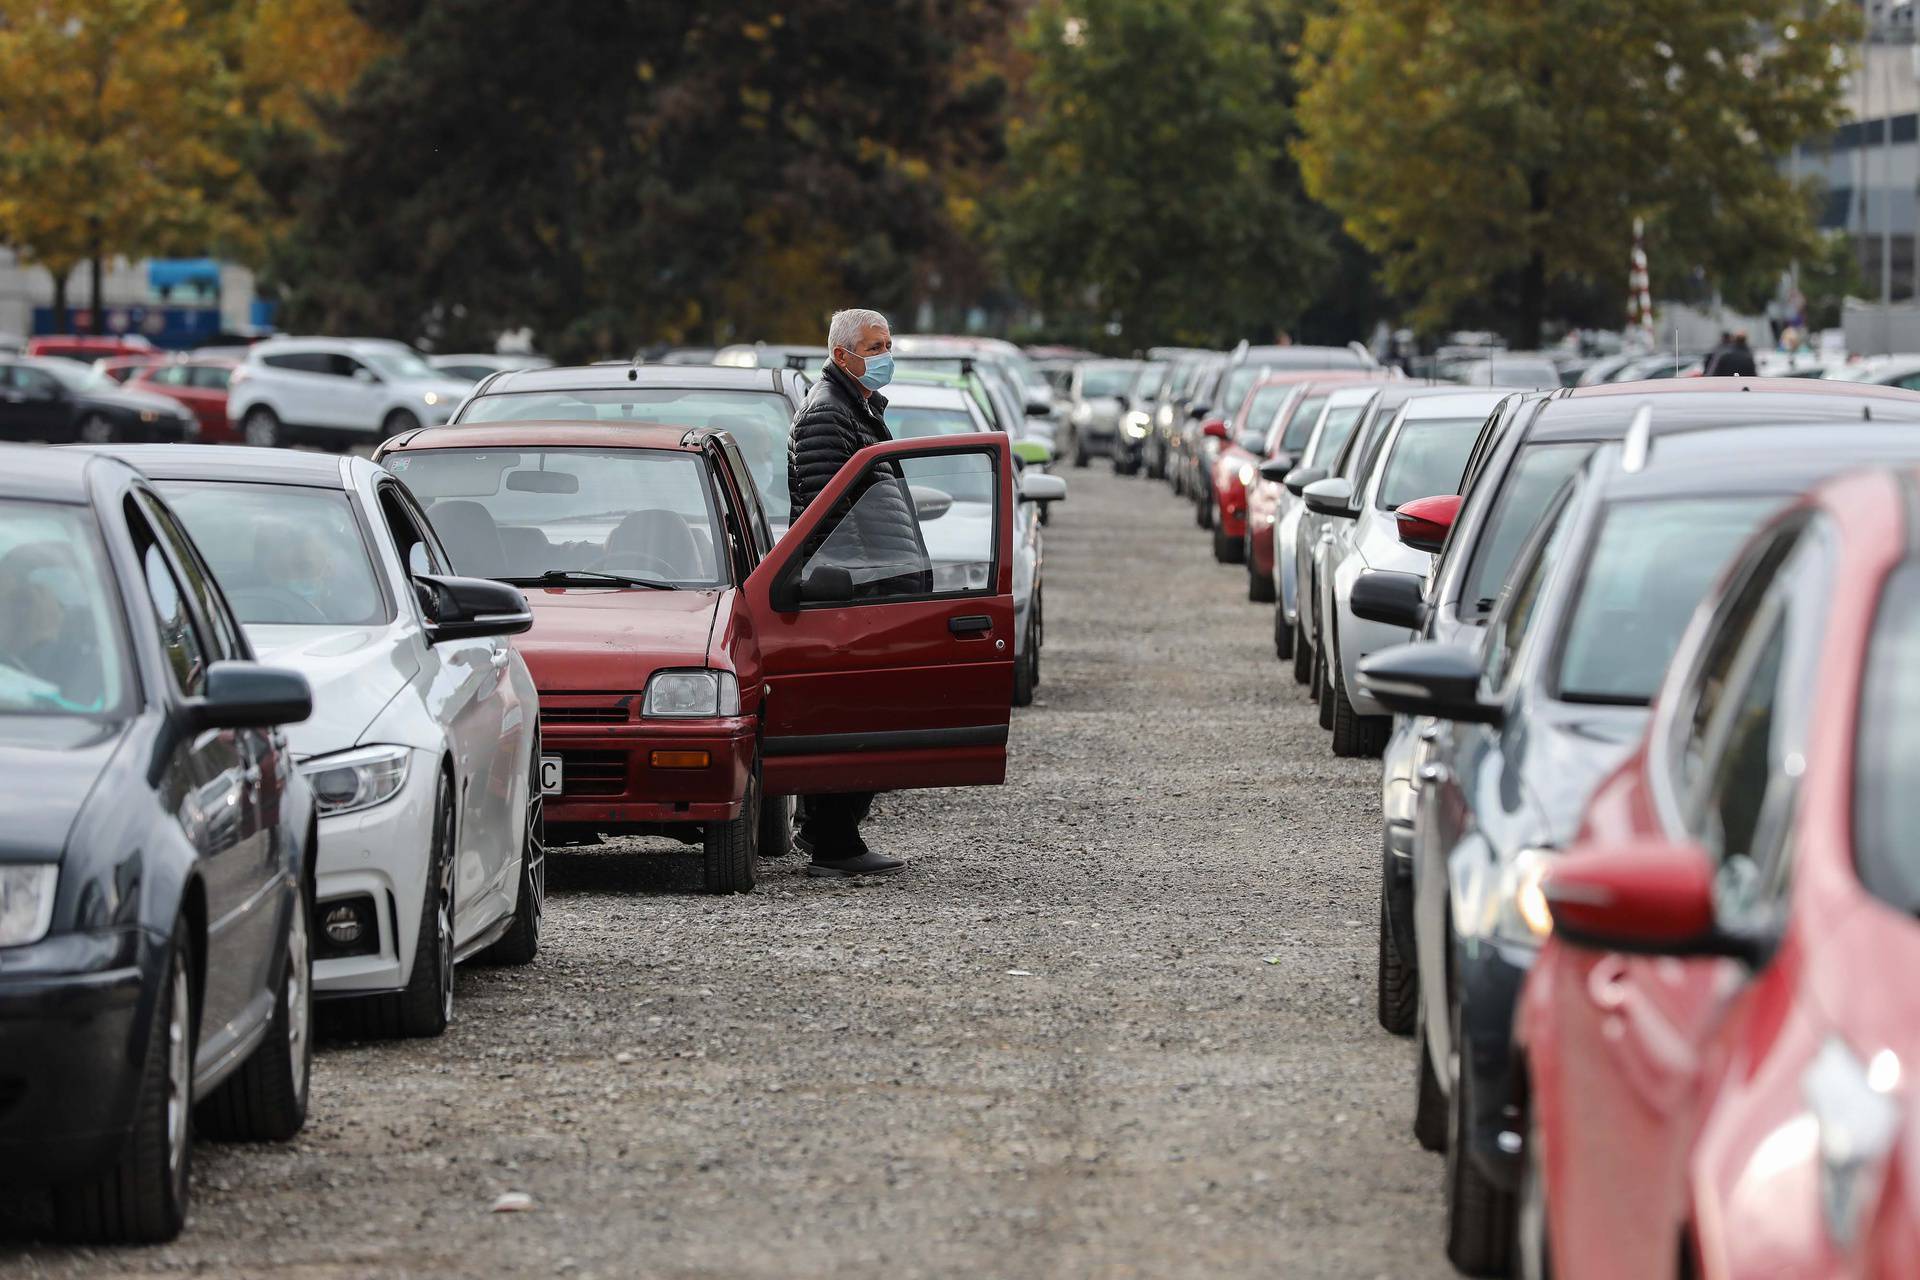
[[680, 759]]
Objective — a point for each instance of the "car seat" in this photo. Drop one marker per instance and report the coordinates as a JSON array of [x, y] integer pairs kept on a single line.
[[471, 538], [661, 536]]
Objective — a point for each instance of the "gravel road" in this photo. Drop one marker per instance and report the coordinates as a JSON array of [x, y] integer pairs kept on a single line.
[[1115, 1020]]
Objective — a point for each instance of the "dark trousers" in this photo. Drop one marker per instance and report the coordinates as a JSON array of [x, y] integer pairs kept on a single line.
[[832, 823]]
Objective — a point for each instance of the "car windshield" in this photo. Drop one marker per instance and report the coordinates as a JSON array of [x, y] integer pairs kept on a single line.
[[74, 377], [1427, 459], [1260, 414], [1536, 476], [285, 554], [61, 651], [758, 421], [1340, 423], [1239, 381], [1106, 380], [399, 364], [1300, 425], [520, 514], [1147, 382], [1652, 562]]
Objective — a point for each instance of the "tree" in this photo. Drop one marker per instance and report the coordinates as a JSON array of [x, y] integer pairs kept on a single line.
[[1503, 150], [1150, 183]]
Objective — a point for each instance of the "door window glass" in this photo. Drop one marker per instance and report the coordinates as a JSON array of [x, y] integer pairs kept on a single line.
[[180, 639], [61, 650], [1428, 456], [289, 554], [1535, 477], [1730, 817], [1886, 803], [222, 638], [171, 376], [928, 528], [1507, 632], [210, 377]]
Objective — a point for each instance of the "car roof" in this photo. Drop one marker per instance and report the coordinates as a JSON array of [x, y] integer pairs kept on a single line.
[[1476, 403], [1681, 404], [555, 435], [926, 395], [1304, 357], [615, 376], [1727, 386], [1773, 457], [285, 343], [224, 462], [46, 475], [1393, 394]]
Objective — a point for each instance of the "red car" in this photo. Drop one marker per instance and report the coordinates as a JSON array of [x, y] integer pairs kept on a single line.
[[200, 384], [689, 667], [1721, 1036], [87, 348], [1282, 446]]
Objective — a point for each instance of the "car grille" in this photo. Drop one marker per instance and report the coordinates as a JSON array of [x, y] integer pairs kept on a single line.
[[593, 773], [586, 708]]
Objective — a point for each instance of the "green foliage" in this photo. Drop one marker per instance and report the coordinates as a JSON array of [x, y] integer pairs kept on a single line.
[[1496, 150], [612, 173], [1150, 185]]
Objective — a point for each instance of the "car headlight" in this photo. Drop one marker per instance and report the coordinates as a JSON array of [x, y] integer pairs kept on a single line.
[[347, 781], [685, 694], [1136, 424], [960, 575], [1247, 473], [149, 415], [1519, 906], [432, 397], [26, 902]]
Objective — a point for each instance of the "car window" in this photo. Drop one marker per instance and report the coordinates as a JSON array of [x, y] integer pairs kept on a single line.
[[399, 364], [1428, 456], [1361, 451], [891, 551], [1886, 804], [284, 554], [520, 513], [180, 638], [37, 381], [1336, 428], [1299, 425], [62, 650], [1504, 637], [1237, 383], [1106, 380], [750, 494], [222, 637], [1258, 420], [1534, 477], [174, 375], [300, 361], [212, 377], [1729, 817]]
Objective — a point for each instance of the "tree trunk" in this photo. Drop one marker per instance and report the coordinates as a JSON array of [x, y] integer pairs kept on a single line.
[[97, 292], [59, 274], [1533, 302]]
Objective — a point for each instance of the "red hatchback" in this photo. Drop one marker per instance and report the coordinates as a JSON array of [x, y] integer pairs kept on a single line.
[[690, 667], [200, 384], [1721, 1037]]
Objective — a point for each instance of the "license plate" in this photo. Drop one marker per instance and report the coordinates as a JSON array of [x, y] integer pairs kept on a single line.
[[549, 775]]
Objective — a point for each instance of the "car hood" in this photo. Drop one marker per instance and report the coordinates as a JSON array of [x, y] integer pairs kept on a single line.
[[48, 767], [595, 640], [355, 672], [1566, 753], [131, 399]]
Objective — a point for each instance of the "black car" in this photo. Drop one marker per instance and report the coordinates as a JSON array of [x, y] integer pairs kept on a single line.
[[1553, 699], [61, 401], [756, 406], [155, 856]]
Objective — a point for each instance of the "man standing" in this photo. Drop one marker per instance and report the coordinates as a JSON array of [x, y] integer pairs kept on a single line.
[[1737, 360], [842, 415]]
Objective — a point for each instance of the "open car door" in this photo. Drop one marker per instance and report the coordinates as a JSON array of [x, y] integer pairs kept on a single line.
[[884, 621]]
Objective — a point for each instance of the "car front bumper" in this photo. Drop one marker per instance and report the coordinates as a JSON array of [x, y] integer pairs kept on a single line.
[[609, 780], [75, 1012], [380, 853]]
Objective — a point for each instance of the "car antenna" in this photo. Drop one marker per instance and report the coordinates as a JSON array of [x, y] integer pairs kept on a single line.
[[1676, 351]]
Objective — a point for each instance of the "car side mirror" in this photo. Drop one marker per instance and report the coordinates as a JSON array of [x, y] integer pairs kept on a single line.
[[1039, 406], [470, 608], [1198, 410], [1038, 486], [1424, 523], [1652, 897], [1393, 599], [1276, 468], [246, 695], [1214, 428], [1427, 679], [1297, 480], [1330, 497], [929, 503], [827, 584]]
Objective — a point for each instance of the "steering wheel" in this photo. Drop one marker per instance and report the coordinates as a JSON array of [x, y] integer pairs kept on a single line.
[[276, 601], [637, 564]]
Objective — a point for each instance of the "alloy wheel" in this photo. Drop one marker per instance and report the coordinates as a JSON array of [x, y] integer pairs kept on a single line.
[[535, 851], [443, 914], [96, 430], [179, 1068], [299, 997], [260, 429]]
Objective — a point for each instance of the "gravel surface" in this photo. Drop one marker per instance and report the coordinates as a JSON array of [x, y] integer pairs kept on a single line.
[[1116, 1019]]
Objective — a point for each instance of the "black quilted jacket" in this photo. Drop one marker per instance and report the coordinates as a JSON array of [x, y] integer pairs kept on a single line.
[[882, 536]]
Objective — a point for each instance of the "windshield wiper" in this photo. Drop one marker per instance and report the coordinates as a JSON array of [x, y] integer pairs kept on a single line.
[[593, 576]]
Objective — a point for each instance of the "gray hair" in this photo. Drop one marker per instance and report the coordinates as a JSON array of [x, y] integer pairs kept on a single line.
[[844, 330]]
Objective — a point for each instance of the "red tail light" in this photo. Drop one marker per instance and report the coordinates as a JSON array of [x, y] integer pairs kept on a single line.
[[1425, 522]]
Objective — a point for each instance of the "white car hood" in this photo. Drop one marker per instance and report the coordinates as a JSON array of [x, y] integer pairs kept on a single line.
[[355, 672]]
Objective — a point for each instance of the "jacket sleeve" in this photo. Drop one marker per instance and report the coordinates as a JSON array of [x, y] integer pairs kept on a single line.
[[819, 446]]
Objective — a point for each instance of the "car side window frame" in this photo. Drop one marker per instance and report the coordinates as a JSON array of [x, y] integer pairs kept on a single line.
[[391, 493], [740, 475], [230, 639], [1535, 564], [148, 543]]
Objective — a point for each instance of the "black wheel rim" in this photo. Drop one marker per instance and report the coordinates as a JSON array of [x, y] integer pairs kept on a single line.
[[443, 909], [535, 851]]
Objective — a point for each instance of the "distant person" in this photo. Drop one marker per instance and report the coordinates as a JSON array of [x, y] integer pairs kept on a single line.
[[1711, 367], [843, 414], [1737, 360]]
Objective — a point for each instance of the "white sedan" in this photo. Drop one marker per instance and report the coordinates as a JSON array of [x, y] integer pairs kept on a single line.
[[423, 748]]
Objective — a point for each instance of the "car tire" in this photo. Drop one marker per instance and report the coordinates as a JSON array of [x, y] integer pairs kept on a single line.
[[1080, 458], [95, 428], [1532, 1252], [1302, 656], [424, 1006], [1203, 509], [1225, 550], [260, 427], [1396, 982], [1429, 1103], [1479, 1214], [521, 942], [776, 826], [1259, 585], [1323, 686], [400, 420], [732, 847], [1023, 672], [1354, 735], [142, 1197], [266, 1099]]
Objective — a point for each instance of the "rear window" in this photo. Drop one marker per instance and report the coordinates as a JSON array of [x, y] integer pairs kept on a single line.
[[1334, 433], [1651, 564], [1109, 380], [1427, 459]]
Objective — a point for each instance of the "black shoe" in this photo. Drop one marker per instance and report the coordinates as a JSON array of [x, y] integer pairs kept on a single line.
[[801, 844], [864, 863]]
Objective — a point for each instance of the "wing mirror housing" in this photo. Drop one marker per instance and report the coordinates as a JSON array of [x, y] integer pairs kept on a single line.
[[1198, 410], [1424, 523], [246, 695], [1214, 428], [470, 608], [1033, 453], [1394, 599], [1653, 897], [1038, 486], [1330, 497], [930, 503], [1427, 679], [1281, 462], [827, 584], [1039, 406], [1297, 480]]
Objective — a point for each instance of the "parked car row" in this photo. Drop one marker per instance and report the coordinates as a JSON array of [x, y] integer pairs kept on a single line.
[[1636, 659], [284, 728]]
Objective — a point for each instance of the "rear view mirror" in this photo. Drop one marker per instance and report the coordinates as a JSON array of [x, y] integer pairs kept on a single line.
[[1297, 480], [1426, 679], [543, 482], [1330, 497], [246, 695], [1038, 486], [470, 608], [827, 584], [1424, 523], [1649, 898], [929, 503], [1392, 599], [1276, 469]]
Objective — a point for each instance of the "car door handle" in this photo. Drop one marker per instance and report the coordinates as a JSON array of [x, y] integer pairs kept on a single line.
[[972, 624]]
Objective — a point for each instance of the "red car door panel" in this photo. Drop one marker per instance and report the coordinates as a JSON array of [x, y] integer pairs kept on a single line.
[[901, 686]]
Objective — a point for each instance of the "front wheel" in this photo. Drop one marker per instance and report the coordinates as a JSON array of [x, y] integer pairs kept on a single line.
[[1479, 1213], [521, 942], [776, 826], [266, 1100], [1025, 670], [1298, 651], [1259, 585], [399, 421], [95, 429], [731, 848], [425, 1005], [1396, 986], [261, 428]]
